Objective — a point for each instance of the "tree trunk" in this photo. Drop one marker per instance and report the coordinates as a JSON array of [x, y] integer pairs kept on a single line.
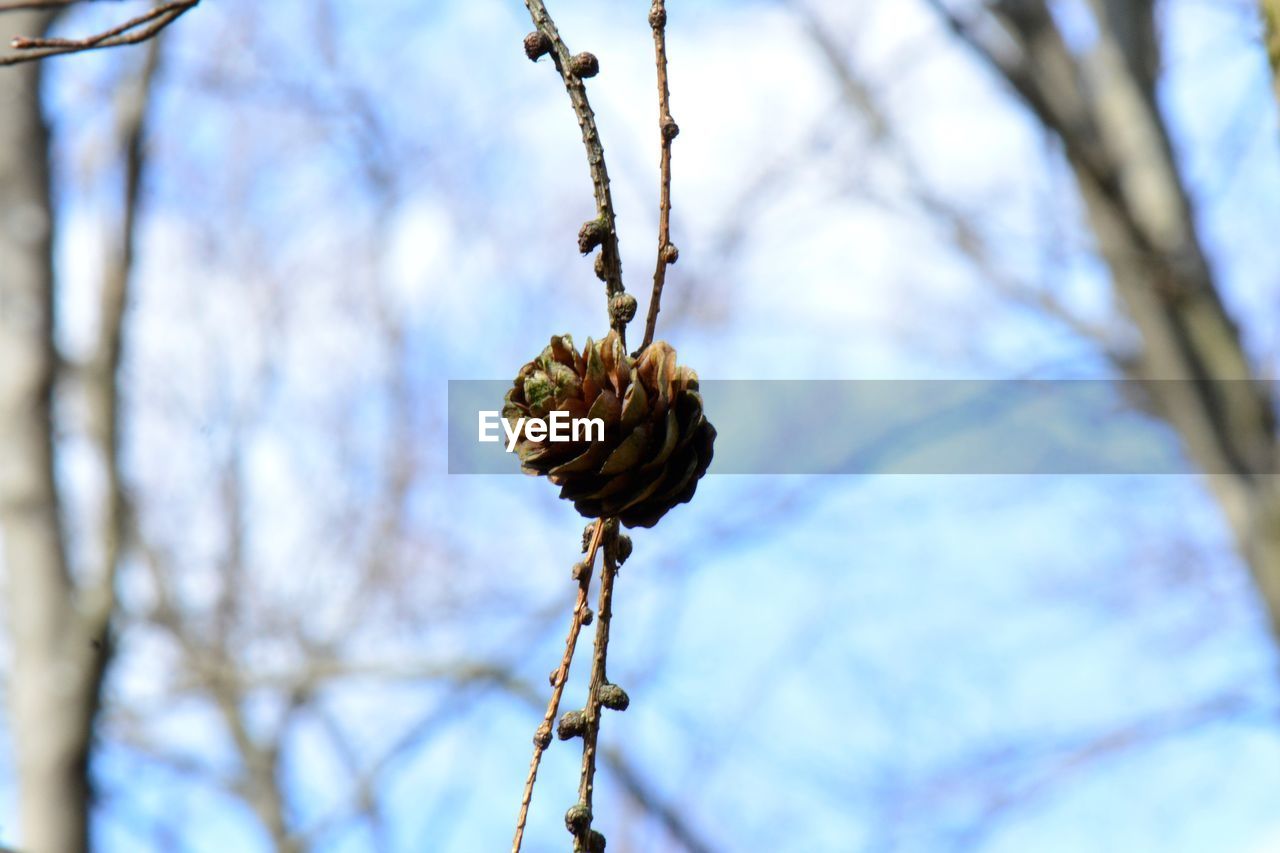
[[1100, 103], [57, 665], [1271, 32]]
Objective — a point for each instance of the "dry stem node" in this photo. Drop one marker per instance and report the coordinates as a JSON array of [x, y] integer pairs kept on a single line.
[[591, 235], [536, 45], [584, 65]]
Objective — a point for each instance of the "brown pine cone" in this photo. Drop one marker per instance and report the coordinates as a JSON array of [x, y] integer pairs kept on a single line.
[[657, 443]]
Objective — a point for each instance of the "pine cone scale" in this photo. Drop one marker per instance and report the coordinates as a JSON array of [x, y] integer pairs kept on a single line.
[[657, 442]]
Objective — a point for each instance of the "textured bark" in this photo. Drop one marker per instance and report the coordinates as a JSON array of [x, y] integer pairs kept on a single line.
[[1101, 106], [56, 665]]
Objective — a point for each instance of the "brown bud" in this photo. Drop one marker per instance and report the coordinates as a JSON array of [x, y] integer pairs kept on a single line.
[[587, 616], [595, 841], [581, 571], [542, 738], [586, 536], [536, 45], [657, 17], [572, 724], [599, 265], [622, 308], [614, 697], [591, 235], [577, 818], [670, 130], [584, 65], [624, 548], [670, 254]]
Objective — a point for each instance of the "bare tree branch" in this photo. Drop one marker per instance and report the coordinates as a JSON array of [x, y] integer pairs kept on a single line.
[[586, 839], [667, 814], [21, 5], [579, 617], [573, 70], [1100, 106], [1048, 768], [133, 31], [667, 132], [102, 383], [959, 225]]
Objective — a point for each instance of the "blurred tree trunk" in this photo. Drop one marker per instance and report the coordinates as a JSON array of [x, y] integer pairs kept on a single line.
[[1100, 104], [1271, 30], [58, 618], [56, 665]]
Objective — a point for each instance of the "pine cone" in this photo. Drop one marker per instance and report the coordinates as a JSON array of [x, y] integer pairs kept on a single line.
[[657, 443]]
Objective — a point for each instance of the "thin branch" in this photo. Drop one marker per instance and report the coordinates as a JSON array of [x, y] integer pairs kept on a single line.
[[665, 813], [28, 43], [103, 384], [42, 4], [542, 737], [582, 841], [610, 267], [133, 31], [667, 132], [1056, 767]]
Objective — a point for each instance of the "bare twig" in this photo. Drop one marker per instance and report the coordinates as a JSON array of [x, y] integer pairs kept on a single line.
[[610, 268], [103, 386], [582, 842], [1056, 766], [542, 737], [665, 813], [667, 131], [959, 224], [600, 232], [133, 31], [40, 4]]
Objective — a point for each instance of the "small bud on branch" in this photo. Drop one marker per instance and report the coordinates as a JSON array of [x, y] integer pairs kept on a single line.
[[536, 45], [584, 65], [614, 697], [591, 235]]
